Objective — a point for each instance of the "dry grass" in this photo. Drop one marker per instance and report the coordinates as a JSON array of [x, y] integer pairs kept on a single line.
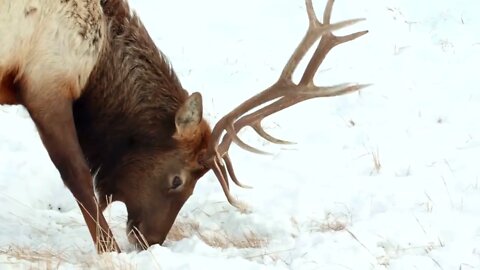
[[182, 229], [48, 258], [51, 258], [218, 238], [332, 222], [54, 258], [377, 165], [222, 240]]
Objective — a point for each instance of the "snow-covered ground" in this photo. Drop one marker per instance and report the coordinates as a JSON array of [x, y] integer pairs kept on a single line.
[[382, 179]]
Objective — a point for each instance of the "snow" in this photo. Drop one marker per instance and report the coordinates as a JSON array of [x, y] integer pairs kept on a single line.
[[381, 179]]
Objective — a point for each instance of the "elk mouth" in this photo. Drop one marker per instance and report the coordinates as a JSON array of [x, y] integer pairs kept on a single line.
[[137, 237]]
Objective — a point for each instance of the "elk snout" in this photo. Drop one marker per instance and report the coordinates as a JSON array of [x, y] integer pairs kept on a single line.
[[139, 235]]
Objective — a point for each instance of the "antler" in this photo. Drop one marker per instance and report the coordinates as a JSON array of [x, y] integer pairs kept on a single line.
[[283, 94]]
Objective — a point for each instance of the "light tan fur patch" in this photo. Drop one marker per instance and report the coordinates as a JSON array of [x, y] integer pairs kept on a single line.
[[48, 41]]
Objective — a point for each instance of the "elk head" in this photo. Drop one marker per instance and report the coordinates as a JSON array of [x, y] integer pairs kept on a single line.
[[154, 183], [174, 173]]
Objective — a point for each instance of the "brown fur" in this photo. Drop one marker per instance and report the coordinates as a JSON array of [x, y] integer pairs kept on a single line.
[[8, 93]]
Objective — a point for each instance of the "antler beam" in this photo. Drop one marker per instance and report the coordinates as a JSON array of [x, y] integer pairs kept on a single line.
[[282, 94]]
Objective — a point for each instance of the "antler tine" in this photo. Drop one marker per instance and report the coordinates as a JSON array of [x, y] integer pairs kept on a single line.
[[312, 17], [327, 42], [282, 94], [232, 135], [257, 126], [327, 12], [330, 91], [221, 175], [231, 171], [314, 32]]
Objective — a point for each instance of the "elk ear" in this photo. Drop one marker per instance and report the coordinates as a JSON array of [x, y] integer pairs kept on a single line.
[[189, 115]]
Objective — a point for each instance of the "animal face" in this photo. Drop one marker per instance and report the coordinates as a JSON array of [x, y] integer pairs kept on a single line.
[[161, 191], [155, 183]]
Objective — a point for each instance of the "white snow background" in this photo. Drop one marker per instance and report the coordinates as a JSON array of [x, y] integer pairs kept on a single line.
[[382, 179]]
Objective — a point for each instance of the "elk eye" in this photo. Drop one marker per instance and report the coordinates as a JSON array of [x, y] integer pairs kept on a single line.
[[177, 181]]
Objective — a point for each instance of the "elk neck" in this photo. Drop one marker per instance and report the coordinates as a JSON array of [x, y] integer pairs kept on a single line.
[[130, 98]]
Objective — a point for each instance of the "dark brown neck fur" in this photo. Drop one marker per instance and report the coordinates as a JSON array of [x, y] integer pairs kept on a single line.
[[130, 99]]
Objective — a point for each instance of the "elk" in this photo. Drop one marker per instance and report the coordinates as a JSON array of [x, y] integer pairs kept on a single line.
[[115, 119]]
